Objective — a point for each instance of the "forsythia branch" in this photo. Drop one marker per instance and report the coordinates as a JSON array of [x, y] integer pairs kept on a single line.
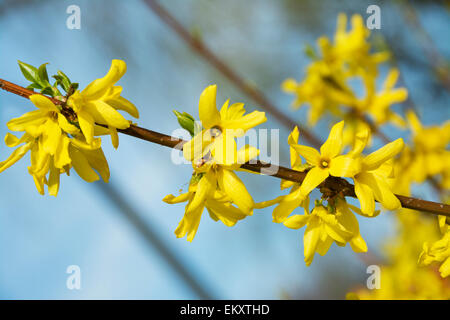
[[334, 184]]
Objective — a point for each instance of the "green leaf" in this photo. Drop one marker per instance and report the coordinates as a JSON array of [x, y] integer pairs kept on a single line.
[[34, 86], [29, 72], [74, 85], [186, 121], [65, 81], [42, 71], [48, 91]]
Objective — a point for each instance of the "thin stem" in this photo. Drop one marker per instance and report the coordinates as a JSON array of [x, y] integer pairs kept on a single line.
[[436, 60], [198, 46], [334, 184]]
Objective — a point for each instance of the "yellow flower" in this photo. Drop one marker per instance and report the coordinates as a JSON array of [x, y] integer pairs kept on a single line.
[[401, 277], [289, 202], [323, 227], [378, 104], [353, 48], [217, 188], [430, 156], [220, 128], [328, 161], [438, 251], [372, 182], [52, 150], [98, 104], [325, 86]]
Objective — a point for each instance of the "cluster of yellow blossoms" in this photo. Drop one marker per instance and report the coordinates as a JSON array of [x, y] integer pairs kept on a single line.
[[68, 134], [403, 277], [372, 175], [64, 136], [214, 156], [326, 86]]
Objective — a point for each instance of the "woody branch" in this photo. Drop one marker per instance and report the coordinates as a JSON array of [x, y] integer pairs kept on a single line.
[[336, 185]]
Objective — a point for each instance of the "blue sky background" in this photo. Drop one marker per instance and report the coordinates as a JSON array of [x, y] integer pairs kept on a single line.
[[257, 259]]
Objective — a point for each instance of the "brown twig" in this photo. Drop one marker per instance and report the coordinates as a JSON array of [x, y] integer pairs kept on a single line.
[[258, 96], [336, 185]]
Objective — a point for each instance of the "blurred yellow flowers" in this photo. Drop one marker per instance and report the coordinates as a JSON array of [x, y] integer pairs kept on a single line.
[[327, 88]]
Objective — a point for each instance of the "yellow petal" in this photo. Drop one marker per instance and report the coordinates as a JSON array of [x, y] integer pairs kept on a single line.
[[391, 78], [246, 122], [171, 199], [289, 85], [311, 239], [103, 113], [97, 160], [333, 146], [98, 87], [313, 178], [81, 165], [296, 221], [293, 140], [15, 156], [114, 137], [224, 110], [228, 214], [189, 224], [32, 118], [376, 158], [230, 183], [67, 126], [324, 245], [51, 137], [445, 268], [43, 103], [365, 195], [198, 146], [414, 121], [337, 234], [311, 155], [286, 184], [288, 204], [209, 115], [62, 157], [268, 203], [235, 111], [53, 181], [224, 150], [358, 244], [86, 122], [361, 139], [246, 153], [384, 194], [39, 182], [125, 105], [345, 166], [204, 187], [81, 144], [12, 141]]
